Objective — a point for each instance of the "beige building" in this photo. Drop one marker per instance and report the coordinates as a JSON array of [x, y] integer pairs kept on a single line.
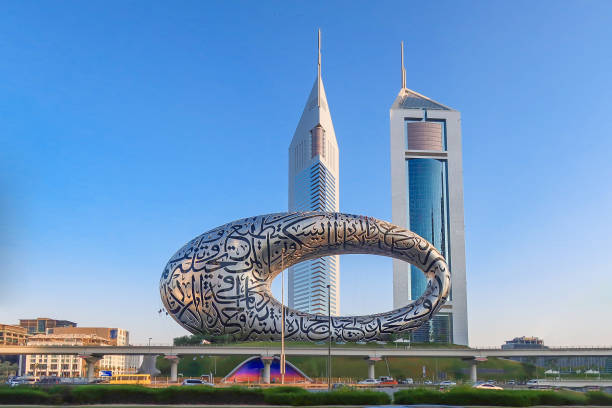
[[118, 364], [11, 335], [73, 365], [53, 365]]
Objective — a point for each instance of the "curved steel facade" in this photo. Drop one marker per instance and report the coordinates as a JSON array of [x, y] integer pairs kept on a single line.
[[219, 282]]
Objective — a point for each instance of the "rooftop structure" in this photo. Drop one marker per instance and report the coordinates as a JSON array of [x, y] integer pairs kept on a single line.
[[41, 324], [524, 343]]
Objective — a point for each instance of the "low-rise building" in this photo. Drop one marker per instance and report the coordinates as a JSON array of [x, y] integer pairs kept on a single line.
[[118, 364], [62, 365], [73, 365], [41, 324], [12, 335]]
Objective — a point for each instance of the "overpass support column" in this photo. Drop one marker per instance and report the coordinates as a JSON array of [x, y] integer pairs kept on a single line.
[[267, 362], [91, 365], [174, 360], [474, 367], [371, 363], [148, 366], [474, 371]]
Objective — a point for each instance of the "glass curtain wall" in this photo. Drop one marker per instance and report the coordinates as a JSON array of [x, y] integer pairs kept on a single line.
[[428, 212]]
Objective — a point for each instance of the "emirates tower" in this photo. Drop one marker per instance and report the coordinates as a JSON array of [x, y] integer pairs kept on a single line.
[[314, 186]]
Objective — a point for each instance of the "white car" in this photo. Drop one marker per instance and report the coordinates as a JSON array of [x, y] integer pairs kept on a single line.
[[447, 383], [487, 386], [195, 381], [23, 381], [532, 383], [369, 381]]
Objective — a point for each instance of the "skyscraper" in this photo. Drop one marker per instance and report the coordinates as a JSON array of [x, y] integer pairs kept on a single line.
[[427, 198], [314, 186]]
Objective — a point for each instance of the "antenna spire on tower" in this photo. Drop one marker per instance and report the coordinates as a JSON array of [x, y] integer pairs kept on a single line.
[[319, 72], [403, 69]]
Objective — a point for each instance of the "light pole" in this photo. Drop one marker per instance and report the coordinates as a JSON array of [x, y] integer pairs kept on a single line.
[[282, 357], [328, 337]]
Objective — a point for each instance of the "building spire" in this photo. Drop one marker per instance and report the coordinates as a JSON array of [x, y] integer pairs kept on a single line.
[[319, 72], [403, 69]]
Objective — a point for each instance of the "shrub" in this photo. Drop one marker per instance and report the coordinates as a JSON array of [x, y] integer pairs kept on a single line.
[[417, 396], [598, 398], [208, 395], [519, 398], [23, 396], [561, 398], [282, 395], [471, 396], [113, 394], [299, 397]]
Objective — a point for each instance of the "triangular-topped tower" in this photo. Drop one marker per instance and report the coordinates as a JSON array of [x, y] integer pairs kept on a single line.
[[314, 186]]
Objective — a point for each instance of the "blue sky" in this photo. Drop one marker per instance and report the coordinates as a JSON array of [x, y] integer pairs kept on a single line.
[[127, 128]]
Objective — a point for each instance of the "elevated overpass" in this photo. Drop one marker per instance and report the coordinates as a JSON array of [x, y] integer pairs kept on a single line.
[[366, 351], [92, 354]]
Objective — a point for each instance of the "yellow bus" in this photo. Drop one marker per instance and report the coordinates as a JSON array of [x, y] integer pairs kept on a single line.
[[130, 379]]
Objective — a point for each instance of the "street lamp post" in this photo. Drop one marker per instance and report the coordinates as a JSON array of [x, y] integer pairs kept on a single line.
[[329, 337], [282, 357]]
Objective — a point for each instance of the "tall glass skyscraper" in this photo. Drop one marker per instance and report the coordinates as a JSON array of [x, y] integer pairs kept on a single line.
[[314, 186], [427, 198]]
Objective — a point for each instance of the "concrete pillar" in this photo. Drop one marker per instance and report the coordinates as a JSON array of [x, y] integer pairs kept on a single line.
[[473, 366], [148, 366], [91, 365], [90, 371], [371, 363], [267, 362], [474, 371], [174, 360]]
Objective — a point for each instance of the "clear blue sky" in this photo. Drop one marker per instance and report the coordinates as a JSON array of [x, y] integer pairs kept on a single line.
[[127, 128]]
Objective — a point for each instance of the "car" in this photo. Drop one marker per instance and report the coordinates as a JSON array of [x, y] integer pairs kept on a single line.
[[447, 383], [387, 380], [369, 381], [196, 381], [50, 381], [15, 381], [511, 382], [487, 386], [23, 381], [532, 383], [408, 381], [428, 382]]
